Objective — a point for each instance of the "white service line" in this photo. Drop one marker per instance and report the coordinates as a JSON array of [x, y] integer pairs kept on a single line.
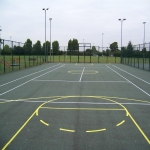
[[129, 81], [131, 74], [30, 80], [28, 75], [81, 74], [88, 103], [82, 81]]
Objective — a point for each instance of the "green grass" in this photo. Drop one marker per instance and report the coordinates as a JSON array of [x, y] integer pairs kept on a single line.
[[25, 63]]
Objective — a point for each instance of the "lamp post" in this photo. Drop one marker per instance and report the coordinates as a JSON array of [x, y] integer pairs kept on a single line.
[[45, 31], [11, 45], [50, 37], [144, 35], [102, 43], [121, 20], [0, 41]]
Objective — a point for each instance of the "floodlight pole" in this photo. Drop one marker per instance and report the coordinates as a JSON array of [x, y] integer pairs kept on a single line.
[[144, 35], [102, 43], [45, 31], [121, 35], [11, 45], [50, 37], [0, 41]]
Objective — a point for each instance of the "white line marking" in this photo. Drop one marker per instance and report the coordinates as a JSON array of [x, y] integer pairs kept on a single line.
[[30, 80], [82, 81], [81, 74], [129, 81], [131, 74], [89, 103], [28, 75]]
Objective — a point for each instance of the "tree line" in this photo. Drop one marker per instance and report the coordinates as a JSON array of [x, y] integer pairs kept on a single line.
[[28, 48]]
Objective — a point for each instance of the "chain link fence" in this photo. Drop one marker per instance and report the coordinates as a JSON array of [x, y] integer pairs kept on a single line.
[[16, 55], [138, 56]]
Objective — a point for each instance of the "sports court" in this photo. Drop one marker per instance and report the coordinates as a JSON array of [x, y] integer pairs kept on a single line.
[[75, 106]]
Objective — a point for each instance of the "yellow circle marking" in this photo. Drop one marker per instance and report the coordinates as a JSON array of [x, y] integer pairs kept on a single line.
[[66, 130], [96, 130], [44, 122], [120, 123]]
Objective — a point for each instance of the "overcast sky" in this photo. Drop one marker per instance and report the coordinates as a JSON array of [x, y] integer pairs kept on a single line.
[[80, 19]]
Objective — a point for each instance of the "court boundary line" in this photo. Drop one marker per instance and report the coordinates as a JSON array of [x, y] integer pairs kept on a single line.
[[30, 80], [81, 81], [129, 81], [27, 76], [81, 75], [131, 74], [61, 97]]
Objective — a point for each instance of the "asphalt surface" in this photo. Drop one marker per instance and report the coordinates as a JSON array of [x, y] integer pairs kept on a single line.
[[75, 107]]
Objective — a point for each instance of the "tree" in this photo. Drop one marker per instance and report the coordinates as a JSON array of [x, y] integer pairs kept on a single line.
[[6, 49], [130, 49], [114, 47], [18, 50], [28, 46], [107, 52], [37, 48], [55, 46], [70, 44], [73, 44], [47, 47]]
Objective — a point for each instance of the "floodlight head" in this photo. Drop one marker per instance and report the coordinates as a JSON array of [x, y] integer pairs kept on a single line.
[[124, 19], [43, 9], [50, 18], [119, 19], [144, 22], [47, 8]]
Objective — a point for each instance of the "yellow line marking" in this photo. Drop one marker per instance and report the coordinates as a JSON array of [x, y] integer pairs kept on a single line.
[[120, 123], [96, 130], [61, 97], [66, 130], [118, 104], [147, 139], [81, 108], [6, 145], [18, 131], [44, 122]]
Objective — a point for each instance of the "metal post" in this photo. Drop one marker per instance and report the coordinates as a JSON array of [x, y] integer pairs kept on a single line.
[[50, 38], [144, 36], [45, 32], [0, 41], [121, 35], [102, 44]]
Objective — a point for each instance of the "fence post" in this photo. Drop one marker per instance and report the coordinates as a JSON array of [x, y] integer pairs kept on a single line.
[[149, 55]]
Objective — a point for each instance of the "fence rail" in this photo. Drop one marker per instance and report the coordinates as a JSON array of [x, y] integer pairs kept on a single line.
[[16, 55], [138, 56]]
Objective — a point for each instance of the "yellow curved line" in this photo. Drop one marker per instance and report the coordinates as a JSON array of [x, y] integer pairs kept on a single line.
[[58, 108], [117, 103], [120, 123], [66, 130], [96, 130], [44, 122], [61, 97]]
